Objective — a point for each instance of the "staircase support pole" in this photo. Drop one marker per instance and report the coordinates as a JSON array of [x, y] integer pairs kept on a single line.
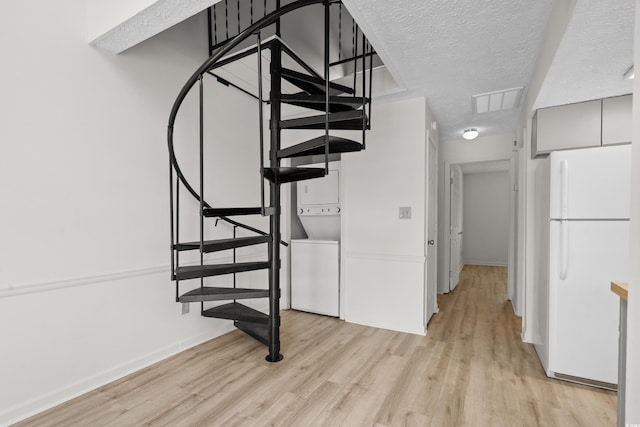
[[274, 223]]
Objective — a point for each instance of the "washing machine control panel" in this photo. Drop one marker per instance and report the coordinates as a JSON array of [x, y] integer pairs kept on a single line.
[[319, 210]]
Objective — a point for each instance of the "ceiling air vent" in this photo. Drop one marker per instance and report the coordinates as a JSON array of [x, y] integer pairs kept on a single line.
[[496, 101]]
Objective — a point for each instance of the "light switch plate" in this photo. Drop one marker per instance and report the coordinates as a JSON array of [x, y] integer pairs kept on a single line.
[[405, 213], [185, 308]]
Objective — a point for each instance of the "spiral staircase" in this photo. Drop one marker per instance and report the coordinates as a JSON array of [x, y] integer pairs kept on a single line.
[[342, 107]]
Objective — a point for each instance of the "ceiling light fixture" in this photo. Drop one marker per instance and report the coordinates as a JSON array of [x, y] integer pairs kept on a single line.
[[470, 134], [629, 74]]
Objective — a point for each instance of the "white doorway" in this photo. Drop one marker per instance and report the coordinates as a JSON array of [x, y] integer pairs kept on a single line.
[[454, 236]]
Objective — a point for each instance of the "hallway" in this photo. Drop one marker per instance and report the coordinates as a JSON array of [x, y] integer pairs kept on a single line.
[[472, 369]]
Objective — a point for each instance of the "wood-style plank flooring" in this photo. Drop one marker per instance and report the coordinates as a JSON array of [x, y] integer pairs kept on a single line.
[[472, 369]]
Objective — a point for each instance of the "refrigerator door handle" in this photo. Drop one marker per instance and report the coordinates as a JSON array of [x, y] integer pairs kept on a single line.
[[564, 249], [564, 189]]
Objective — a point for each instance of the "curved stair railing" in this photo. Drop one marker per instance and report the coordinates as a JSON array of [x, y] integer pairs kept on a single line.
[[317, 93]]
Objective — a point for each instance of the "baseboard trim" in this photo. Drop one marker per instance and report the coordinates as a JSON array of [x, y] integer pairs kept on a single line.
[[526, 338], [487, 263], [420, 330], [49, 400]]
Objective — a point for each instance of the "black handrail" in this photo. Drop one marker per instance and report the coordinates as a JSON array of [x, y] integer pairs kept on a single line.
[[206, 66]]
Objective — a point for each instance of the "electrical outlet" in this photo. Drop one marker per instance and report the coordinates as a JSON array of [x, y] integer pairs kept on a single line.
[[405, 213], [185, 308]]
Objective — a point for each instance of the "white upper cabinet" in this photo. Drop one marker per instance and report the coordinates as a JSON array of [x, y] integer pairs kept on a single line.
[[616, 120], [567, 126], [584, 124]]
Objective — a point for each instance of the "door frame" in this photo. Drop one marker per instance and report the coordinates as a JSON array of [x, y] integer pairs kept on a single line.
[[431, 214], [444, 286]]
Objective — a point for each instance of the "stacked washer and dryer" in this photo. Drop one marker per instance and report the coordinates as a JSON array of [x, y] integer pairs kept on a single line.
[[315, 261]]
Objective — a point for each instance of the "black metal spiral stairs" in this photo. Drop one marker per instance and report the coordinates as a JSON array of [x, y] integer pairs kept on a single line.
[[341, 110]]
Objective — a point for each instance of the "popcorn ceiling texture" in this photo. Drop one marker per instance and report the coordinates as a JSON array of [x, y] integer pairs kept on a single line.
[[149, 22], [596, 50], [450, 50]]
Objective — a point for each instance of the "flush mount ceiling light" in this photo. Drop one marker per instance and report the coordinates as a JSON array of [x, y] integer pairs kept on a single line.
[[629, 74], [496, 101], [469, 134]]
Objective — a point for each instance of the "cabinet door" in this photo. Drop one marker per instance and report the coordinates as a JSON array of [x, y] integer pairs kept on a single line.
[[616, 120], [568, 126]]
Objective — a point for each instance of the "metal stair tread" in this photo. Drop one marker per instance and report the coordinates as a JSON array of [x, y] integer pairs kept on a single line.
[[222, 244], [313, 85], [197, 271], [344, 120], [258, 331], [237, 311], [283, 175], [318, 102], [209, 293], [211, 212], [317, 146]]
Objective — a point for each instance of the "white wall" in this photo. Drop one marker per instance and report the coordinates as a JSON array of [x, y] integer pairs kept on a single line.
[[486, 218], [383, 256], [633, 319], [85, 295], [498, 147]]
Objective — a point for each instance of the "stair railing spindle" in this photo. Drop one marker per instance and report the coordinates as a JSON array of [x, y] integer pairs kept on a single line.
[[201, 96], [238, 10], [370, 84], [177, 238], [339, 31], [326, 88], [234, 257], [364, 88], [261, 122], [355, 59], [215, 26], [209, 31], [278, 33], [226, 17], [171, 216], [353, 38]]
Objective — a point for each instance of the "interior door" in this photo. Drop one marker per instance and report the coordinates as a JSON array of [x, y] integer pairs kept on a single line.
[[431, 297], [455, 228]]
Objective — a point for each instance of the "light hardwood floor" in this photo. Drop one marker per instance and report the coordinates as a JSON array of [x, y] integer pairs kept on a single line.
[[470, 370]]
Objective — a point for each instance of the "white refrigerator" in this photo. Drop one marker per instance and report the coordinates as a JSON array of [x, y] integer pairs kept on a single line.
[[582, 244]]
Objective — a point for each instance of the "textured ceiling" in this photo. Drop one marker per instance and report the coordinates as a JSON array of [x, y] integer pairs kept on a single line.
[[148, 22], [596, 50], [450, 50]]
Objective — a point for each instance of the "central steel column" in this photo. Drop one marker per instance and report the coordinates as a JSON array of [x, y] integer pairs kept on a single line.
[[274, 192]]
